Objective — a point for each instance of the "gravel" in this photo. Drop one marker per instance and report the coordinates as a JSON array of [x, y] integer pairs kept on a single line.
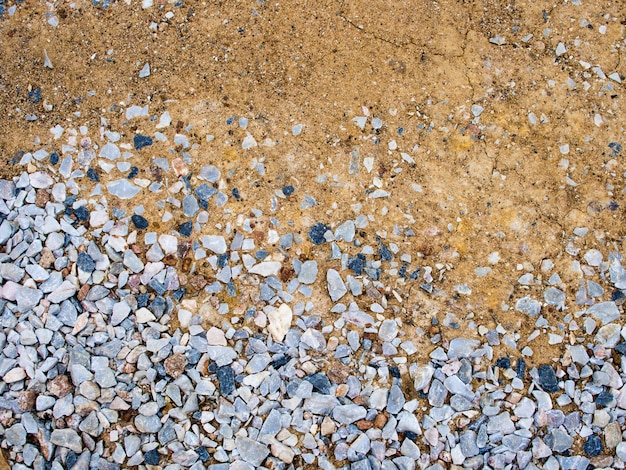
[[210, 347]]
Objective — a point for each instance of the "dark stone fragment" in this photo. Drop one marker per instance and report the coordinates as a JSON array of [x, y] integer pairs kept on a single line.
[[34, 95], [521, 368], [54, 158], [621, 348], [158, 306], [204, 204], [604, 398], [288, 190], [134, 171], [92, 175], [222, 260], [187, 180], [235, 193], [160, 370], [477, 423], [212, 368], [356, 265], [394, 371], [410, 435], [85, 262], [185, 229], [281, 361], [593, 445], [152, 457], [142, 300], [140, 141], [139, 221], [81, 213], [179, 294], [384, 252], [226, 376], [193, 356], [316, 233], [158, 287], [71, 459], [402, 271], [261, 254], [415, 274], [167, 433], [203, 455], [616, 148], [547, 379], [320, 382], [618, 297], [230, 288], [503, 363]]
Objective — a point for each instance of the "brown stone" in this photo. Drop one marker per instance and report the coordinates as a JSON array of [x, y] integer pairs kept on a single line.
[[59, 386], [26, 400], [380, 421], [46, 447], [6, 418], [170, 260], [82, 293], [360, 400], [197, 282], [286, 273], [364, 424], [47, 258], [42, 198], [175, 365], [338, 373], [179, 167]]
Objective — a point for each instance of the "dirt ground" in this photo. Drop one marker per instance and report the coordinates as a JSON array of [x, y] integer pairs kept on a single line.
[[491, 180]]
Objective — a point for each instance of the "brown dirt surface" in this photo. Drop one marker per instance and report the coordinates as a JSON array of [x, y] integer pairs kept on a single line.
[[490, 183]]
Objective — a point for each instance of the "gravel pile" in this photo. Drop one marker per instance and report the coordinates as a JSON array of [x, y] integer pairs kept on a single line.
[[112, 357]]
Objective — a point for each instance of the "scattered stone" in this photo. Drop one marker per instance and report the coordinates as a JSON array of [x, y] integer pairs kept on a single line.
[[317, 232], [175, 365], [547, 379], [139, 222]]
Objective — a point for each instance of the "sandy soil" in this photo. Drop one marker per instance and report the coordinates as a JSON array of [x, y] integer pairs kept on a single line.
[[490, 183]]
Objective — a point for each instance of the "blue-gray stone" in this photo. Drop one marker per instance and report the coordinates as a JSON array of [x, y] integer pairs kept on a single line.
[[555, 296], [529, 306], [593, 445], [139, 222], [140, 141], [347, 414], [210, 173], [320, 382], [85, 262], [226, 377], [606, 312], [316, 233], [123, 189], [547, 379], [190, 205], [205, 192], [395, 400]]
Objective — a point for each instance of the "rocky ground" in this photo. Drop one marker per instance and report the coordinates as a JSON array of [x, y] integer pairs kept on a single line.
[[246, 235]]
